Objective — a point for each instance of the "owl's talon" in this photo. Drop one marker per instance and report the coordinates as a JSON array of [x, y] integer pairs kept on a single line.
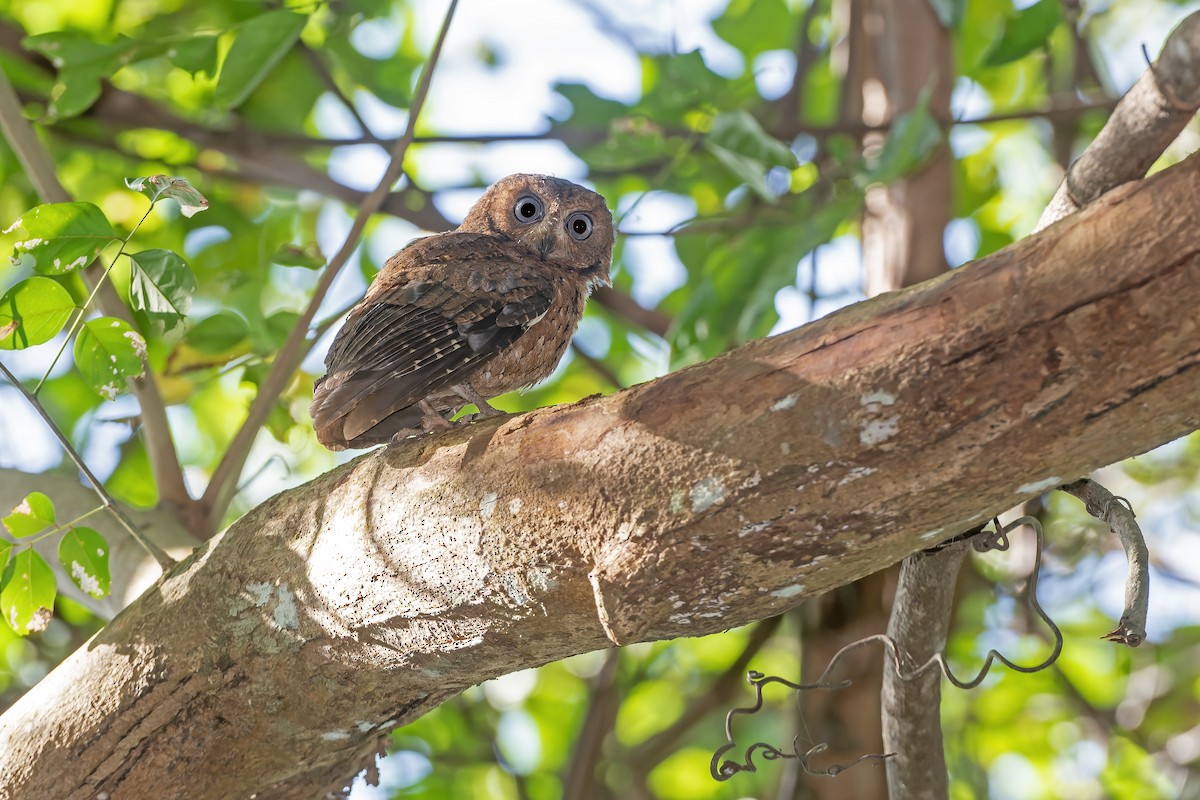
[[404, 434]]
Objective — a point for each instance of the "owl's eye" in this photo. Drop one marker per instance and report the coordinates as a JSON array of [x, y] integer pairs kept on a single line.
[[528, 209], [579, 225]]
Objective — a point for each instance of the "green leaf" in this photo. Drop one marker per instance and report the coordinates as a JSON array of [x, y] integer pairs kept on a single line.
[[27, 601], [279, 326], [259, 46], [589, 109], [63, 237], [133, 481], [161, 285], [292, 255], [756, 26], [912, 138], [219, 333], [1024, 32], [84, 555], [191, 202], [739, 132], [196, 54], [32, 312], [746, 150], [108, 352], [75, 92], [72, 49], [32, 515], [82, 64], [5, 548]]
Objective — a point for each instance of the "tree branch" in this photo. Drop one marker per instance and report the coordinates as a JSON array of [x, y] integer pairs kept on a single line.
[[1145, 121], [912, 720], [221, 487], [581, 779], [712, 497], [1102, 505]]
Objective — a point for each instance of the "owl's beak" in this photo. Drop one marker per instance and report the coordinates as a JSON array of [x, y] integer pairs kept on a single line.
[[546, 247]]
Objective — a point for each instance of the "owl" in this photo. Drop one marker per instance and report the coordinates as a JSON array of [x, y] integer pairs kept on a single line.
[[463, 316]]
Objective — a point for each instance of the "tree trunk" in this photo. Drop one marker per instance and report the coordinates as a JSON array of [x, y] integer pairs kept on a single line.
[[273, 659]]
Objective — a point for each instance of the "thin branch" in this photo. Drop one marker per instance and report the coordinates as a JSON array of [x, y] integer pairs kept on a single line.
[[597, 366], [1144, 122], [904, 668], [164, 560], [581, 780], [621, 304], [911, 709], [1104, 505], [221, 488], [160, 446], [322, 70]]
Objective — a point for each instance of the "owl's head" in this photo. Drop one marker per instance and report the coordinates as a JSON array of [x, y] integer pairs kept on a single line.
[[561, 222]]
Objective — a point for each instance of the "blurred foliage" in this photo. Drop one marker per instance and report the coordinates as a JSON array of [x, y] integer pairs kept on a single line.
[[739, 196]]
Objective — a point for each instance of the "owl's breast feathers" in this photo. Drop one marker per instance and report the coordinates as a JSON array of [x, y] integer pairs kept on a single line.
[[453, 309]]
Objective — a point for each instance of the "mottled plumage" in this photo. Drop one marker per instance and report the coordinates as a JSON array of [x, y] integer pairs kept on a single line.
[[464, 316]]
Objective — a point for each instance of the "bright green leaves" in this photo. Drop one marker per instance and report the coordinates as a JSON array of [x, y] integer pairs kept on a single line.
[[220, 333], [27, 599], [27, 593], [1025, 31], [746, 150], [33, 515], [108, 352], [63, 237], [161, 286], [156, 187], [260, 44], [83, 553], [27, 585], [33, 312]]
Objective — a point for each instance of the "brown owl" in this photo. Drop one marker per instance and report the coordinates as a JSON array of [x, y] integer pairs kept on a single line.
[[466, 315]]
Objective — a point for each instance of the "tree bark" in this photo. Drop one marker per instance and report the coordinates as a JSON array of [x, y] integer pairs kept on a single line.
[[272, 659]]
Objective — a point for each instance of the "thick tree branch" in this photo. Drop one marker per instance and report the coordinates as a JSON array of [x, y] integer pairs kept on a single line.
[[720, 494]]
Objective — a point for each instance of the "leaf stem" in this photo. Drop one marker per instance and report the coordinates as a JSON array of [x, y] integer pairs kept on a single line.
[[53, 529]]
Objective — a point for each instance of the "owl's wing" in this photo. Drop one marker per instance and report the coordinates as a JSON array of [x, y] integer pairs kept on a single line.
[[422, 332]]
